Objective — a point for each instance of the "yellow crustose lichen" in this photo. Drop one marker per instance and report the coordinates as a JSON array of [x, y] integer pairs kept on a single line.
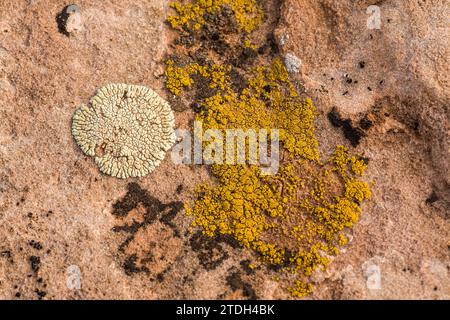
[[247, 13], [179, 78], [296, 218], [126, 128]]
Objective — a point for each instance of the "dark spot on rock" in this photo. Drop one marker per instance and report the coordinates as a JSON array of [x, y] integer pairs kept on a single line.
[[369, 88], [223, 21], [209, 250], [154, 210], [351, 133], [35, 263], [334, 117], [130, 267], [365, 160], [8, 255], [179, 188], [17, 294], [362, 64], [365, 123], [416, 126], [245, 264], [270, 46], [40, 294], [432, 198], [238, 81], [35, 244], [246, 57], [160, 277], [187, 40], [215, 36], [345, 93], [235, 282], [196, 107], [288, 255], [202, 89]]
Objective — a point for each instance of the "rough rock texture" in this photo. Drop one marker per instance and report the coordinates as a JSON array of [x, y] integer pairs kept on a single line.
[[392, 82], [130, 239]]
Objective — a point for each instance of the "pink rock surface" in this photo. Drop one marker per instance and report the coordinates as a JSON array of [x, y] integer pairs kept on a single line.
[[57, 212]]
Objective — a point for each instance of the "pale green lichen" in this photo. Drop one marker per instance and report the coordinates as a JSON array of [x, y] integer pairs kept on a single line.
[[126, 128]]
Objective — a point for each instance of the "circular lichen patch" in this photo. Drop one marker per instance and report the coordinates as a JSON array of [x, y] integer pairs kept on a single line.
[[126, 128]]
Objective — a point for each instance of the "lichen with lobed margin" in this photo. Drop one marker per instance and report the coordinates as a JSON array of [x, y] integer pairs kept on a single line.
[[296, 219]]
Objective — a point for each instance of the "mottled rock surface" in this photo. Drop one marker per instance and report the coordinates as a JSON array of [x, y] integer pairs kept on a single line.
[[392, 86], [60, 217]]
